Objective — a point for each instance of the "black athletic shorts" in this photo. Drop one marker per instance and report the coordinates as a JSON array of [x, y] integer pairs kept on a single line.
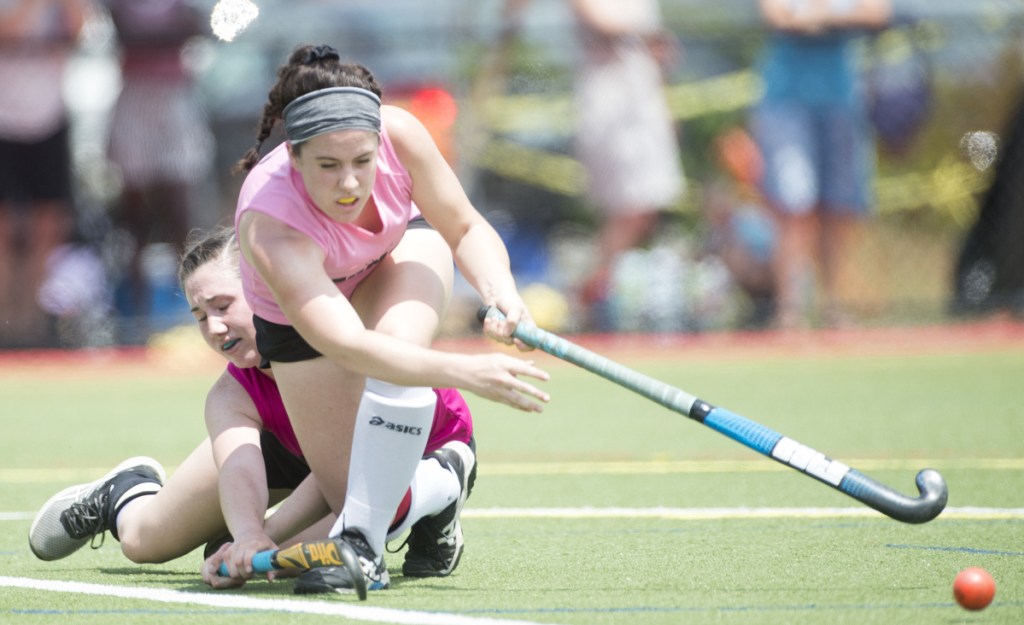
[[282, 343], [284, 469], [40, 171]]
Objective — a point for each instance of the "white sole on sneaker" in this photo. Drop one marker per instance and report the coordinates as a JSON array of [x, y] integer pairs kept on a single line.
[[48, 539]]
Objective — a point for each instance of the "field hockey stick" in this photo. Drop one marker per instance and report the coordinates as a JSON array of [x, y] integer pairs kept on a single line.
[[308, 555], [930, 484]]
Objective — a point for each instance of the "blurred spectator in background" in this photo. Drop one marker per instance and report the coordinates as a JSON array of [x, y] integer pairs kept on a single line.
[[741, 230], [37, 38], [160, 143], [625, 136], [813, 131]]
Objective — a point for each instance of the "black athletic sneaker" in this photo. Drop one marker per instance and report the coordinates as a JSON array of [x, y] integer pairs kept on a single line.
[[77, 514], [436, 543], [366, 571]]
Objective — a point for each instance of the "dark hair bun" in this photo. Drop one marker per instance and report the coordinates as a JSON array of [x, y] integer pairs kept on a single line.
[[320, 53]]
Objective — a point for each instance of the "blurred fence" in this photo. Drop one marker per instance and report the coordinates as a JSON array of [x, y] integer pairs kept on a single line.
[[946, 239]]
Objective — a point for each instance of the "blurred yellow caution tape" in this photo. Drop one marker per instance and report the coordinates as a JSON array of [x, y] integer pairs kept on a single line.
[[951, 188]]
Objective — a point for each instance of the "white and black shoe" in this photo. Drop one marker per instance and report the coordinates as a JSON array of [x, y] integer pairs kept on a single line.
[[80, 513], [436, 542], [364, 571]]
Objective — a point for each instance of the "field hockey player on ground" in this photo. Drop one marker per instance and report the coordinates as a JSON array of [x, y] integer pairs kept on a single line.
[[158, 519]]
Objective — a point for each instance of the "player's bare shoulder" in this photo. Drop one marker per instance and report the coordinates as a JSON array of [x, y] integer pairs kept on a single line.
[[228, 401], [397, 119], [407, 133]]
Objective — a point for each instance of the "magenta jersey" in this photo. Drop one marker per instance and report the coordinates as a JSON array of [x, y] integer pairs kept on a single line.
[[452, 419], [263, 391], [276, 189]]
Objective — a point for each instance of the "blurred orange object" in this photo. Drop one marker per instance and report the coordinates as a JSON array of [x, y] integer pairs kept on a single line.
[[437, 108], [740, 156]]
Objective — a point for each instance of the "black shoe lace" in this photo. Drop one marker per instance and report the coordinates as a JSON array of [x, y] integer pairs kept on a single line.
[[423, 540], [358, 543], [388, 549], [405, 542], [84, 519]]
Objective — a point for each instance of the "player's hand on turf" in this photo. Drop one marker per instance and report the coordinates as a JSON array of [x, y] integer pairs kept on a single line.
[[240, 554], [237, 558], [497, 377], [211, 567]]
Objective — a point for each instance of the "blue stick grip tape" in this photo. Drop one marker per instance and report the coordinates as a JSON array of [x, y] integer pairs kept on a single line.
[[263, 562], [743, 430]]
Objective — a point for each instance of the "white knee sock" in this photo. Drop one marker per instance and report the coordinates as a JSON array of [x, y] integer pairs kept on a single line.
[[392, 428], [434, 488]]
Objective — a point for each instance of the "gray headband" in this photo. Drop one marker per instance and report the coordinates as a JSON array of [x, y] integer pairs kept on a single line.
[[327, 110]]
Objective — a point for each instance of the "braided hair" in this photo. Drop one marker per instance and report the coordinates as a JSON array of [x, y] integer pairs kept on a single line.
[[309, 68]]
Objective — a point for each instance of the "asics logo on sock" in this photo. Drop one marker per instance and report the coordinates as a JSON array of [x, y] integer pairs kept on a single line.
[[396, 427]]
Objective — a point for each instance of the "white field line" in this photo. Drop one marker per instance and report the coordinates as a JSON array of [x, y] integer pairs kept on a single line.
[[224, 600], [754, 465], [704, 514], [644, 467], [653, 467], [687, 514]]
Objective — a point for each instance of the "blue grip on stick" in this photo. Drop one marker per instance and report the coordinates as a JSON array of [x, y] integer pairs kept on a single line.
[[262, 562], [742, 430]]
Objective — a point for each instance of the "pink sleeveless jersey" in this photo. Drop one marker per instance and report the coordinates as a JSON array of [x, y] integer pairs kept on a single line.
[[276, 189], [452, 419]]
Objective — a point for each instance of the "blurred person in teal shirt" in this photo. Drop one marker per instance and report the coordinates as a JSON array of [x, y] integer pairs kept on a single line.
[[813, 130]]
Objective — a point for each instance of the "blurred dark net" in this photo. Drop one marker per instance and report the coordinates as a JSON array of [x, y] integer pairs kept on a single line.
[[945, 241]]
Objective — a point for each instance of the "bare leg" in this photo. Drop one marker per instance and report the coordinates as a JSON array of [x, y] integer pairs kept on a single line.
[[185, 514], [792, 262], [408, 294], [171, 202], [405, 296], [322, 399], [838, 233], [619, 233], [8, 258], [132, 215], [47, 228]]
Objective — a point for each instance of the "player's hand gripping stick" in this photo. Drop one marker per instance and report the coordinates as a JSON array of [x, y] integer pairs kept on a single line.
[[309, 555]]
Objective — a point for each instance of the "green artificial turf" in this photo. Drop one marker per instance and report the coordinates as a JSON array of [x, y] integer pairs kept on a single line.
[[606, 508]]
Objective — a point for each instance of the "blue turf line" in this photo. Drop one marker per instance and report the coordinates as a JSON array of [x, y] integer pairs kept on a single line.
[[972, 550], [498, 611]]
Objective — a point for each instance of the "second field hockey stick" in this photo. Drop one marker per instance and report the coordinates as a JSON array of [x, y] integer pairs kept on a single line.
[[308, 555], [930, 484]]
